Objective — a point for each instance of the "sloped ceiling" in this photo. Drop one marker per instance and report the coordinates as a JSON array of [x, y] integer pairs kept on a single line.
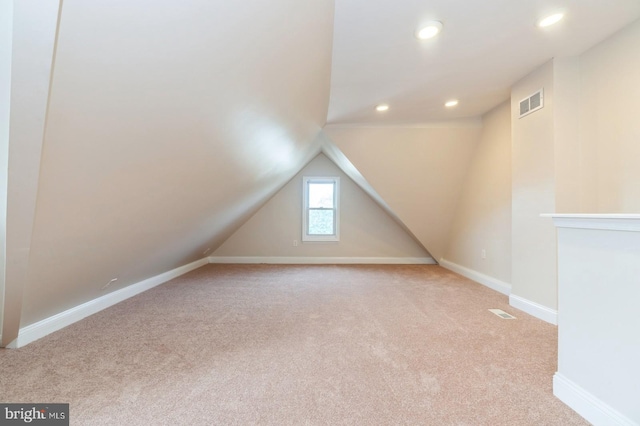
[[168, 124], [160, 127], [365, 229], [417, 171], [337, 156]]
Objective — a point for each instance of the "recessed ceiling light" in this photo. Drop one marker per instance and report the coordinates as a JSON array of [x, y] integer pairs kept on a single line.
[[429, 30], [382, 108], [550, 20], [451, 103]]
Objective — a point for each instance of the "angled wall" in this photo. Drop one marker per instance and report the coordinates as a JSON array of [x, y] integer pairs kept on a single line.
[[417, 170], [169, 124], [6, 36], [366, 230], [35, 25], [480, 238]]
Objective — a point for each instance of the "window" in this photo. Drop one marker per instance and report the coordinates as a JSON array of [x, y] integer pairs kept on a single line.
[[320, 211]]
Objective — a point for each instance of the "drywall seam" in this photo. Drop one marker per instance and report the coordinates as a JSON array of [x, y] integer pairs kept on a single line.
[[324, 260], [47, 326], [486, 280], [532, 308]]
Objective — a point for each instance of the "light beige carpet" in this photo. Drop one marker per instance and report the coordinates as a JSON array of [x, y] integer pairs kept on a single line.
[[298, 345]]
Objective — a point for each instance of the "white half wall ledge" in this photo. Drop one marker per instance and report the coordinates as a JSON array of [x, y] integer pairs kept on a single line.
[[594, 410], [324, 260], [49, 325], [612, 222], [534, 309], [480, 278], [598, 270]]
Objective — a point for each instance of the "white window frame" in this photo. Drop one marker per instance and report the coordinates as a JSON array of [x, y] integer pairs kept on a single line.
[[305, 208]]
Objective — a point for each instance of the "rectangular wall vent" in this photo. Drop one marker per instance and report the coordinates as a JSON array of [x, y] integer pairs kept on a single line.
[[532, 103], [502, 314]]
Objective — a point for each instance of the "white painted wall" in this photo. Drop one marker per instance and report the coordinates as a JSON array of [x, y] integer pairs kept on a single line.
[[6, 36], [609, 124], [571, 192], [482, 219], [577, 155], [164, 136], [598, 291], [169, 124], [533, 239], [598, 318], [365, 229], [34, 31], [417, 170]]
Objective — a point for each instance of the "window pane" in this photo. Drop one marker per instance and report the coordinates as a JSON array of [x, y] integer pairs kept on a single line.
[[321, 195], [321, 222]]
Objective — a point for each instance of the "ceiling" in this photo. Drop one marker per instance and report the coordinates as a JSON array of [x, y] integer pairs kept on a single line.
[[484, 47]]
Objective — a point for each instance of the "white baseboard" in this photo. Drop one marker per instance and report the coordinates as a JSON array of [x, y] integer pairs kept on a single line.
[[532, 308], [40, 329], [594, 410], [323, 260], [486, 280]]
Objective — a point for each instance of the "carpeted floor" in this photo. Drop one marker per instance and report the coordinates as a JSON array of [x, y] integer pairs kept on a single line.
[[298, 345]]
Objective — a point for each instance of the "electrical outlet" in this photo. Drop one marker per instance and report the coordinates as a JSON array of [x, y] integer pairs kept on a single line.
[[483, 254], [295, 243], [109, 283]]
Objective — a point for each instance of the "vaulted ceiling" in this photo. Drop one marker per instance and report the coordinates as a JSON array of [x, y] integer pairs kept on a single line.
[[144, 132]]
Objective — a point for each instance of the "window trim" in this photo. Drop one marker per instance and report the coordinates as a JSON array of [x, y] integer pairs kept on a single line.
[[305, 208]]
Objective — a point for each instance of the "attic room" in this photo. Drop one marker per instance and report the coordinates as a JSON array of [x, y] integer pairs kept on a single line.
[[326, 212]]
